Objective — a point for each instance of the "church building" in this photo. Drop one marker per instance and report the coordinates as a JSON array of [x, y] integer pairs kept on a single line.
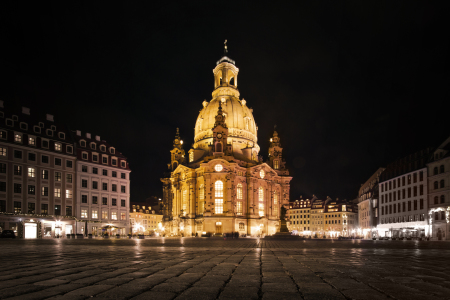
[[222, 185]]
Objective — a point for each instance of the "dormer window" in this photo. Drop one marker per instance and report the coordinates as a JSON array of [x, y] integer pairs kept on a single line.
[[93, 146], [31, 141], [62, 135], [83, 143], [57, 147], [114, 161], [84, 155], [95, 157], [41, 124], [37, 129], [23, 126], [69, 149], [17, 137], [15, 118], [123, 164], [102, 148], [9, 122], [112, 150], [3, 134], [53, 128], [105, 159], [44, 143], [49, 132]]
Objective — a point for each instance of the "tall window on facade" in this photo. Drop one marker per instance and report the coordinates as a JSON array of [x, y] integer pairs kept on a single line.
[[261, 201], [218, 187], [239, 191], [191, 157], [201, 196], [275, 203], [239, 208], [184, 199]]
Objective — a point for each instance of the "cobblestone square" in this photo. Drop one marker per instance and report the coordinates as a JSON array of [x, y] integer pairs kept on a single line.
[[208, 268]]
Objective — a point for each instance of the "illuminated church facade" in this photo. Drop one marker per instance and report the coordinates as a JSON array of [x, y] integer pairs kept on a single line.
[[222, 185]]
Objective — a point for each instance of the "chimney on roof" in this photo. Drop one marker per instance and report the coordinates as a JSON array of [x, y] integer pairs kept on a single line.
[[25, 110], [97, 138], [78, 132], [1, 103], [50, 117], [88, 135]]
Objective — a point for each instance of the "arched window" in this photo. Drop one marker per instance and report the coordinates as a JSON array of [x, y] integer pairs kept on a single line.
[[276, 164], [218, 189], [435, 171], [436, 185], [442, 199], [261, 201], [201, 199], [218, 147], [239, 191], [184, 199], [442, 169], [442, 183], [175, 165]]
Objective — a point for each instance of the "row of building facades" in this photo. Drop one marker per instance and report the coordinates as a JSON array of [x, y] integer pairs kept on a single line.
[[54, 181], [410, 198]]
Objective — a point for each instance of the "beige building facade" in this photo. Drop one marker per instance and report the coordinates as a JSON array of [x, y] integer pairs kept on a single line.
[[222, 186]]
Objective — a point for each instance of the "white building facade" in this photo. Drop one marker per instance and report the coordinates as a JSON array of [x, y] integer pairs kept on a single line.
[[403, 198], [439, 192], [103, 188]]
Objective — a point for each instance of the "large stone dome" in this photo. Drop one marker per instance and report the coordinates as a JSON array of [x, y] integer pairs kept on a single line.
[[242, 129]]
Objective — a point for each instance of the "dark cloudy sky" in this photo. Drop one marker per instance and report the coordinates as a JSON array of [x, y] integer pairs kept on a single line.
[[351, 85]]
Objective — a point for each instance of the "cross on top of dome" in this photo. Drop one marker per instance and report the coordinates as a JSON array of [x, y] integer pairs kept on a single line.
[[225, 57]]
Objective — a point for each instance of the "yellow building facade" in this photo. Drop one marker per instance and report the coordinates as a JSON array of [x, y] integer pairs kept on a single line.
[[222, 186], [144, 220]]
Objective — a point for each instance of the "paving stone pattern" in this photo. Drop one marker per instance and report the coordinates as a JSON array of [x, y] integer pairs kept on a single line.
[[208, 268]]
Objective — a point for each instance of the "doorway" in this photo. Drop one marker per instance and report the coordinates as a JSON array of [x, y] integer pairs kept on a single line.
[[218, 227], [30, 230]]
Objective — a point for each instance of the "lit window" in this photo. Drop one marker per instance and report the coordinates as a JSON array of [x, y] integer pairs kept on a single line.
[[3, 134], [18, 138], [105, 214], [184, 202], [218, 168], [95, 214], [261, 199], [31, 141], [68, 194], [31, 172], [201, 195], [114, 215], [275, 203], [2, 151], [239, 208], [218, 187], [239, 191], [276, 164], [261, 173], [57, 192], [57, 147], [84, 213], [57, 176], [123, 216], [191, 156]]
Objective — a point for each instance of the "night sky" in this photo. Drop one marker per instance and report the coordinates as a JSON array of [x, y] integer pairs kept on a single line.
[[351, 85]]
